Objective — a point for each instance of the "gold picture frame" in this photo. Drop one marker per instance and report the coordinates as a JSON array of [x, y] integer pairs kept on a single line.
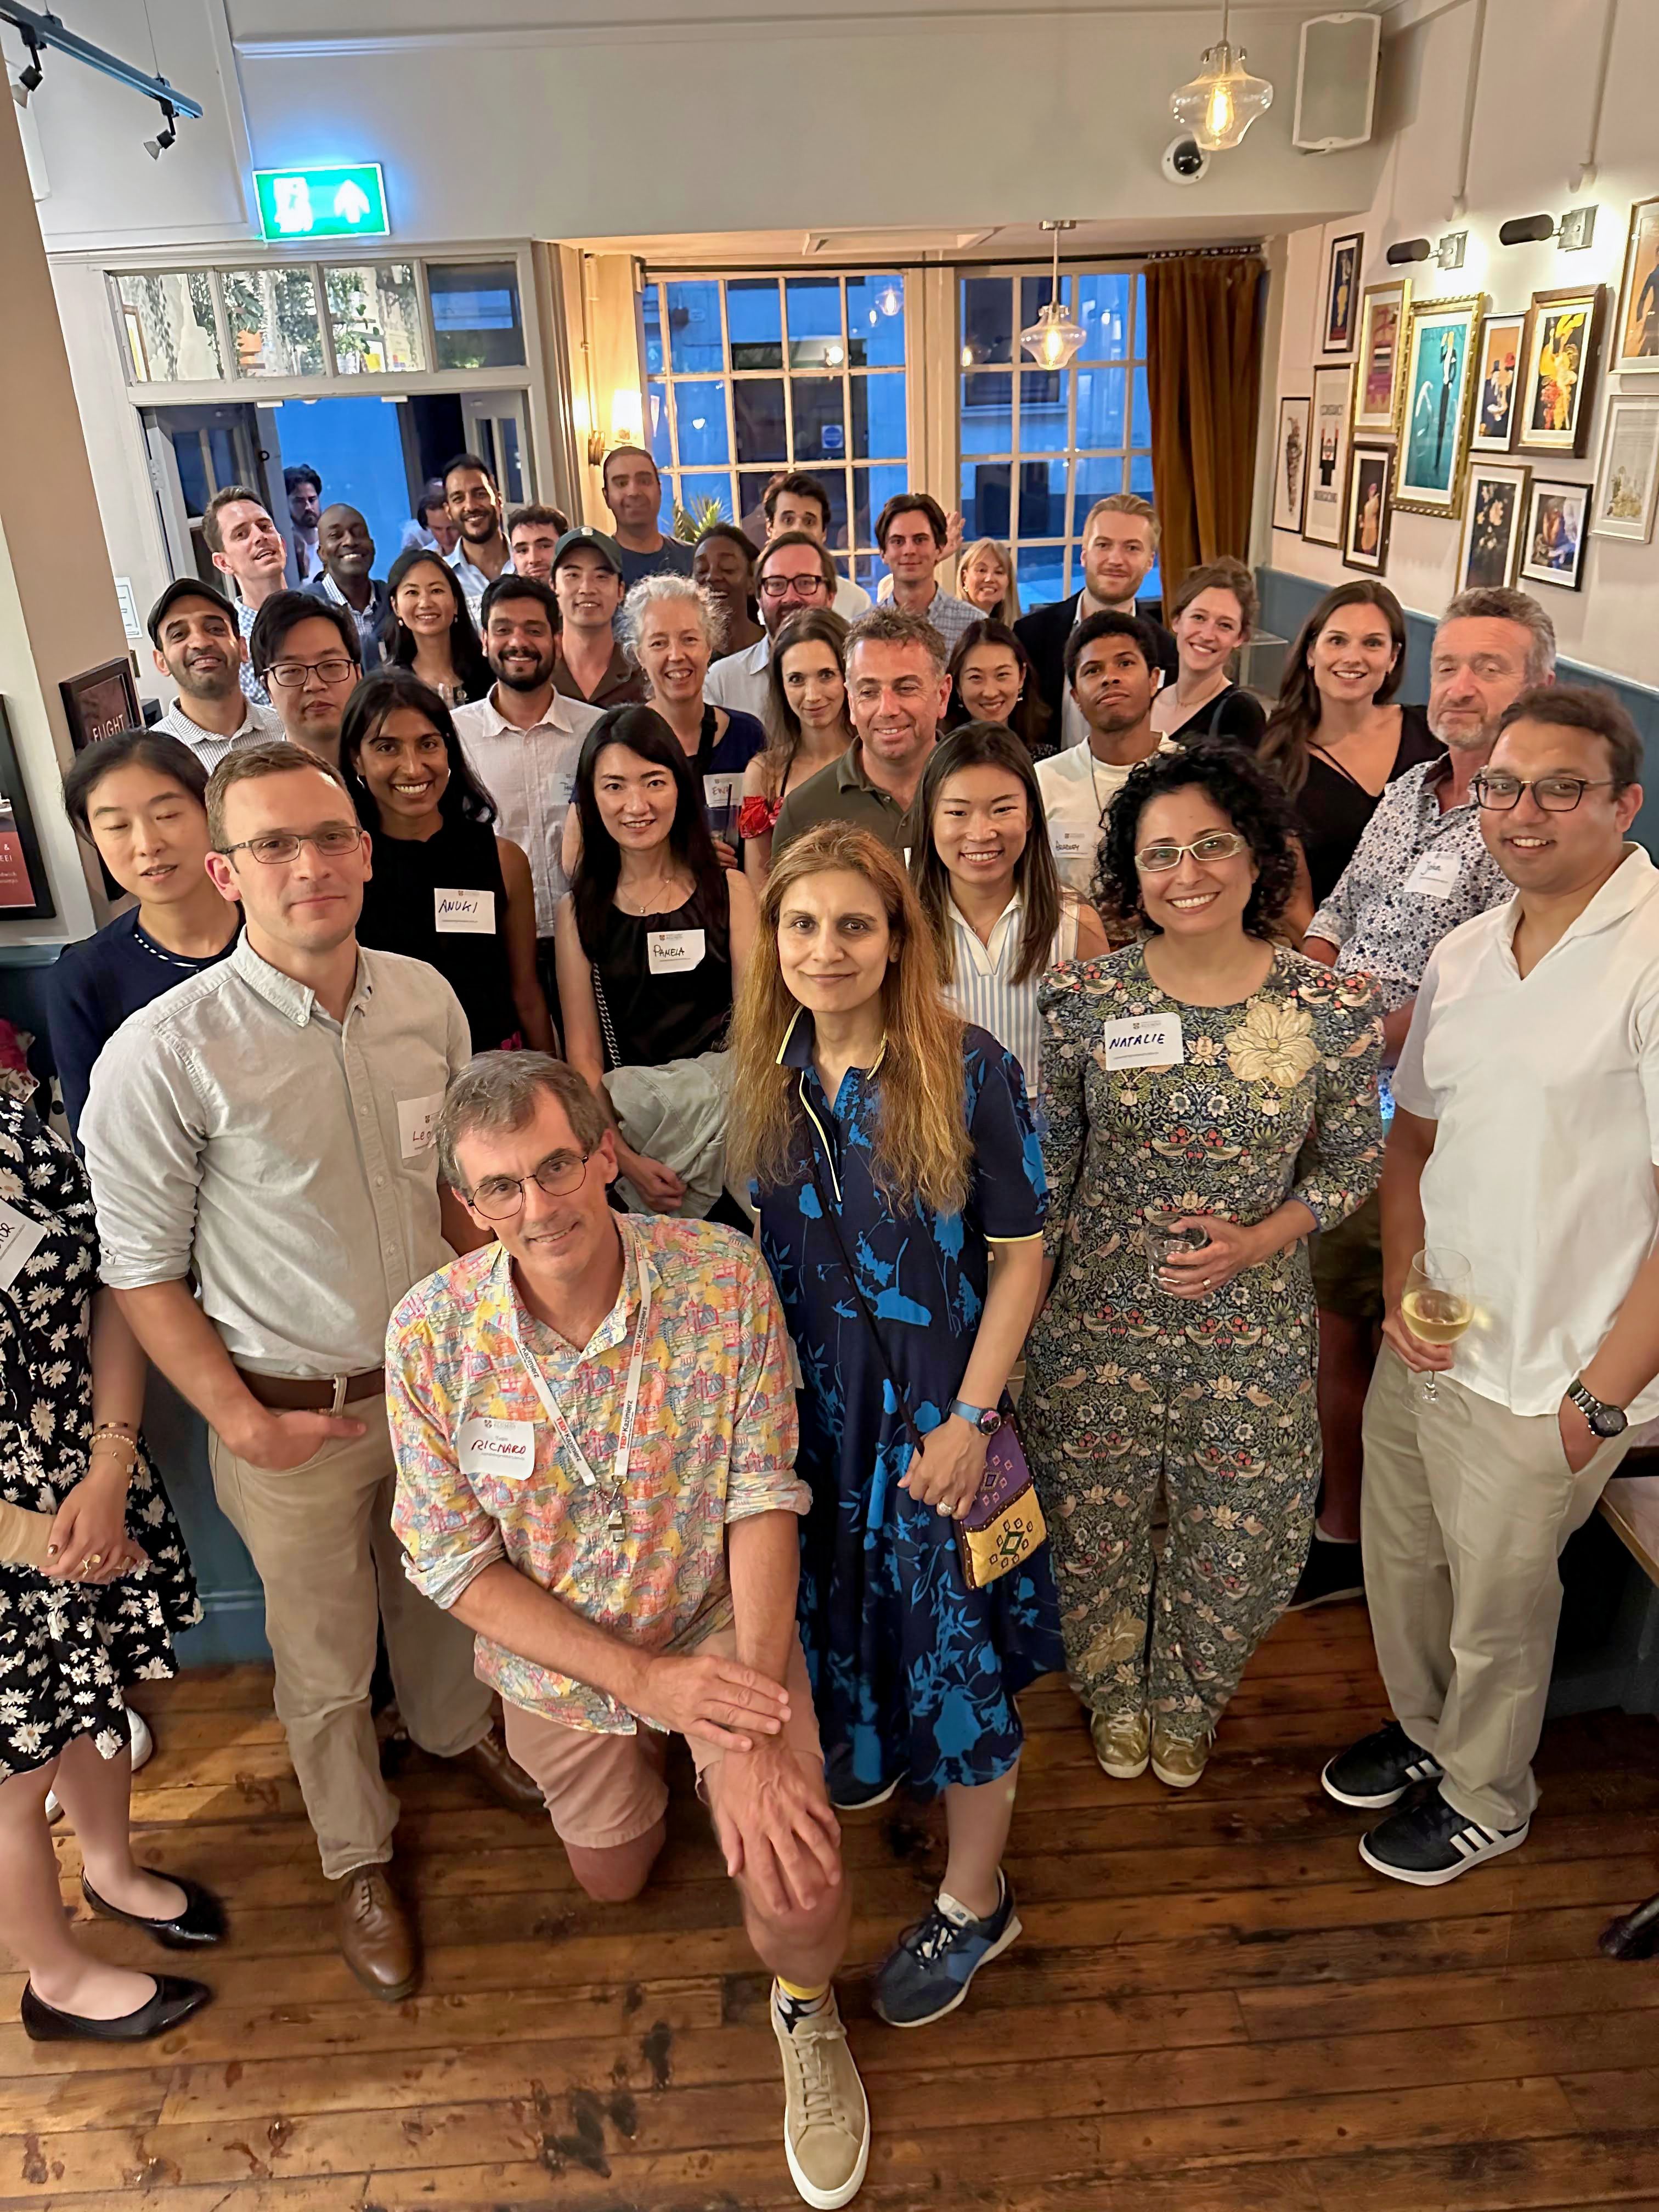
[[1432, 457], [1636, 336]]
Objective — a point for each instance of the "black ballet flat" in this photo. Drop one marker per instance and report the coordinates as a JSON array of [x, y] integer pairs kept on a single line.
[[174, 2002], [201, 1923]]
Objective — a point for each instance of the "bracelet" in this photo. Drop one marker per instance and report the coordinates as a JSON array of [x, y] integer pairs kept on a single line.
[[122, 1432]]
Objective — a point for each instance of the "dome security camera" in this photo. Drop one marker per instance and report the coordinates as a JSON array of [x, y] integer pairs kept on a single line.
[[1184, 161]]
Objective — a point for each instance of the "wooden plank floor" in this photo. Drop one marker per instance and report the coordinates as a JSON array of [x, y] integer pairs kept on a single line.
[[1214, 2006]]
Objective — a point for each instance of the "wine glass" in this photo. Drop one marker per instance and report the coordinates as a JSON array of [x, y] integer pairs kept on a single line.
[[1439, 1302]]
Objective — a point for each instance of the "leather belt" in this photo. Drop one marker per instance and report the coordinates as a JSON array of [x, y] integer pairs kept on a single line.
[[290, 1393]]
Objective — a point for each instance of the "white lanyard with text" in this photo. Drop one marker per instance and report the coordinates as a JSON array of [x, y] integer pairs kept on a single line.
[[629, 1412]]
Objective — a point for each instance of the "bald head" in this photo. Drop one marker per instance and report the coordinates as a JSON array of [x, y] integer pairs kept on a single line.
[[346, 547]]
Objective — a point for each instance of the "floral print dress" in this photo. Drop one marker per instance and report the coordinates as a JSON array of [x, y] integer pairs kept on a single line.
[[67, 1650], [1271, 1099]]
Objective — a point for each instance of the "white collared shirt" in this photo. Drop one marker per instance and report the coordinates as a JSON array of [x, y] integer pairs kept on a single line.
[[982, 988], [529, 774], [258, 724], [473, 581], [1078, 791], [1545, 1089], [740, 680]]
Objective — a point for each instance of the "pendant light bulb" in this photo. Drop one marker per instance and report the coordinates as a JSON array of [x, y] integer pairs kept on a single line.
[[1223, 98], [1053, 340]]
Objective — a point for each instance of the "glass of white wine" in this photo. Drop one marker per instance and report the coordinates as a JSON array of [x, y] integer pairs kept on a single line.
[[1439, 1302]]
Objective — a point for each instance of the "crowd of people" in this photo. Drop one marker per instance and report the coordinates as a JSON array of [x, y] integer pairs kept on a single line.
[[619, 1052]]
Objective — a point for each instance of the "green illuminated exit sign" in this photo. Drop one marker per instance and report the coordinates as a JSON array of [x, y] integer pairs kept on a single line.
[[343, 202]]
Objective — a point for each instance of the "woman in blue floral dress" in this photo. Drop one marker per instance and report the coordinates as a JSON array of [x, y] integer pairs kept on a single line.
[[860, 1094], [1222, 1082]]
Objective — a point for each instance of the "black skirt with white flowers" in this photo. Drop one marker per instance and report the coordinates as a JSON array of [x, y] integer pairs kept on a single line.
[[67, 1652]]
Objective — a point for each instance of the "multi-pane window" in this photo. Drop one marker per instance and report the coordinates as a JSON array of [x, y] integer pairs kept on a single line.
[[747, 375], [1039, 447]]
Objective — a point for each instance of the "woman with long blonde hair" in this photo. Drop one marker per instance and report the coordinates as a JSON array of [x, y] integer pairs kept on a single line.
[[893, 1146]]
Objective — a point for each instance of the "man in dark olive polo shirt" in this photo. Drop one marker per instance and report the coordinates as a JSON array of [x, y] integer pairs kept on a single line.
[[896, 692]]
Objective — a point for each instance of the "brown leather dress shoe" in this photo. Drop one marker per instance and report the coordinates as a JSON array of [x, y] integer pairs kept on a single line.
[[489, 1761], [376, 1938]]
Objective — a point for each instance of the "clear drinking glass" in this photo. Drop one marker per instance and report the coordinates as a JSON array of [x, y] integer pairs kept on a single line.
[[1439, 1302], [1164, 1238]]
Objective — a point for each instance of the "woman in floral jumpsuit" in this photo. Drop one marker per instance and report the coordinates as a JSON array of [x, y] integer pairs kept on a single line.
[[1208, 1072]]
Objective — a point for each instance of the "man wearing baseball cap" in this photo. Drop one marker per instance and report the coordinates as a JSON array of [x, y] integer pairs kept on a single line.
[[199, 644], [588, 576]]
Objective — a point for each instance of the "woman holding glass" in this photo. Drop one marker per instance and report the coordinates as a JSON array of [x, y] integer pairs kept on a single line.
[[1210, 1100], [992, 680], [432, 633], [888, 1137], [806, 722]]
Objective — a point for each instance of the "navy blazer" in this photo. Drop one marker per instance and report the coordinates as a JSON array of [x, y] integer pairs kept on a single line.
[[1043, 633]]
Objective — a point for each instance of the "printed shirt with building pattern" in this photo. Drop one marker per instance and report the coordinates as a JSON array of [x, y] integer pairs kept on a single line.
[[713, 1442]]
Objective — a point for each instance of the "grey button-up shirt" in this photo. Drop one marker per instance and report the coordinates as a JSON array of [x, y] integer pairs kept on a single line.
[[237, 1132], [258, 724], [529, 774]]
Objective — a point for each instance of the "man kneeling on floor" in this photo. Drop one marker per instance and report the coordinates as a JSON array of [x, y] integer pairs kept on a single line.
[[595, 1435]]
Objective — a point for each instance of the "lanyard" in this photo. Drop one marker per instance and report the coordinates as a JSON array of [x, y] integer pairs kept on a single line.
[[630, 1407]]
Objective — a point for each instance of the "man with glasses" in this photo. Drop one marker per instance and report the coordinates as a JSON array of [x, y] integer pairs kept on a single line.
[[897, 694], [481, 552], [595, 1439], [794, 571], [795, 500], [1525, 1147], [259, 1140], [197, 643], [306, 655]]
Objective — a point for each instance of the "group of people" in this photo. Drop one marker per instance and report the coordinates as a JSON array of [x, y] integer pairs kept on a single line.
[[597, 1165]]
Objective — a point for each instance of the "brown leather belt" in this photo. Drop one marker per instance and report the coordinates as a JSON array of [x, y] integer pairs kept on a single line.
[[287, 1394]]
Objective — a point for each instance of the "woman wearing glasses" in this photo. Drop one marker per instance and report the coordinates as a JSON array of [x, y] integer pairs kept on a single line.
[[1209, 1099]]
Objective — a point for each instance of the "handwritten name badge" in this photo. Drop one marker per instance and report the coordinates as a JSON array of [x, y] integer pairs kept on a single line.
[[19, 1236], [674, 952], [720, 793], [469, 913], [499, 1447], [1435, 875], [1151, 1040], [416, 1116]]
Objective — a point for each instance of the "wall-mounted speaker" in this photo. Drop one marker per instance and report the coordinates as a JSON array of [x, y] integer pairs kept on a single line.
[[1336, 80]]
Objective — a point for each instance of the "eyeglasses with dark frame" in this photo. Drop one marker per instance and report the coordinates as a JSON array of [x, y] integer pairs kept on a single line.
[[1555, 794], [498, 1198], [334, 840], [805, 588], [290, 674]]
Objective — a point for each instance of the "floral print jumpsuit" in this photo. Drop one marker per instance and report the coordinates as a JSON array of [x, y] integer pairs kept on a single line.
[[1274, 1098]]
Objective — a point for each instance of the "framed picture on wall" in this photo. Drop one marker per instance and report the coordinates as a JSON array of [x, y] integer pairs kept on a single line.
[[1492, 530], [1383, 317], [1336, 328], [1368, 508], [98, 701], [24, 895], [1327, 456], [1552, 538], [1291, 464], [1636, 345], [1557, 386], [1628, 478], [1496, 380], [1438, 403]]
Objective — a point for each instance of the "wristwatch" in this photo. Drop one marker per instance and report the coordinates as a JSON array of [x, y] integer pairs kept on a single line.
[[986, 1419], [1604, 1420]]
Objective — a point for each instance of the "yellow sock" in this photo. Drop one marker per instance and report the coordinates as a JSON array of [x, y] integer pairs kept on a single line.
[[801, 1995]]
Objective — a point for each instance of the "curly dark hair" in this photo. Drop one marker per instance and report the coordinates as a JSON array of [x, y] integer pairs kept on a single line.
[[1252, 801]]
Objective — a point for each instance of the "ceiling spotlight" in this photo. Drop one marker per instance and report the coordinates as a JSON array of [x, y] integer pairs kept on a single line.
[[1223, 98], [165, 136], [1053, 338], [28, 80]]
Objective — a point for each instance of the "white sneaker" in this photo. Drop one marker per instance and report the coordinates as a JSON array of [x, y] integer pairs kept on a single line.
[[826, 2116], [143, 1743]]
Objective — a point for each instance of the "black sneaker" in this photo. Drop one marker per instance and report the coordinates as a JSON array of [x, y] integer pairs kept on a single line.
[[849, 1794], [1431, 1842], [1333, 1573], [1379, 1769]]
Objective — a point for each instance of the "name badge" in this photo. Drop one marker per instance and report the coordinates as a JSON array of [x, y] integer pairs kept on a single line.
[[19, 1238], [1073, 841], [1152, 1041], [471, 913], [501, 1448], [674, 952], [720, 792], [416, 1116], [1435, 875]]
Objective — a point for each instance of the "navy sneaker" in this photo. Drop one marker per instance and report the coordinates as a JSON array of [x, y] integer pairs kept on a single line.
[[1378, 1770], [928, 1971], [1431, 1842], [847, 1793], [1333, 1574]]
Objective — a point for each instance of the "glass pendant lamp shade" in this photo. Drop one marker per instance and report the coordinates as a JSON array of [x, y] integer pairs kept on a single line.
[[1053, 340], [1223, 98]]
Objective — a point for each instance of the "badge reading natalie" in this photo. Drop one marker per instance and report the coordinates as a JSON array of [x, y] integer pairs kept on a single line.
[[1147, 1041], [468, 913], [674, 952]]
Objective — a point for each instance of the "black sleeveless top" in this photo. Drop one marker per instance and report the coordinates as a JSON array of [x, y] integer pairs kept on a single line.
[[409, 894], [677, 1012]]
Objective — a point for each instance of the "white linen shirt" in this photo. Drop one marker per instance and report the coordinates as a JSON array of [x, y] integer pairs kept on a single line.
[[529, 774], [258, 725], [1078, 791], [740, 680], [1545, 1092]]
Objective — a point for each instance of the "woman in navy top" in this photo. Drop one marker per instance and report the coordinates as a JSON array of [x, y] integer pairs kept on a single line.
[[858, 1092], [138, 798]]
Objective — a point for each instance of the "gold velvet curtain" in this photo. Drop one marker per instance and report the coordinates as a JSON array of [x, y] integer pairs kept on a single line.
[[1204, 372]]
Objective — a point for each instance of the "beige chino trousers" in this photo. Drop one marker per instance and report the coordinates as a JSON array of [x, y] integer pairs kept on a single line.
[[321, 1537], [1465, 1512]]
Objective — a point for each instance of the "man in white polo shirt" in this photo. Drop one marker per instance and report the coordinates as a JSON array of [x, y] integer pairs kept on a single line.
[[1113, 674], [1525, 1139]]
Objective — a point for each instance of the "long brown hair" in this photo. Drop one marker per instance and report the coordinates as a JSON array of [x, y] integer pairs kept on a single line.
[[1036, 879], [1284, 748], [811, 625], [921, 1147]]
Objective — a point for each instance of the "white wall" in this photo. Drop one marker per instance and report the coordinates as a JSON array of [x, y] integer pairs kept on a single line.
[[1533, 115]]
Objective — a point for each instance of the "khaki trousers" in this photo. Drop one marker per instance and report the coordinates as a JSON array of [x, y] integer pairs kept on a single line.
[[320, 1536], [1465, 1512]]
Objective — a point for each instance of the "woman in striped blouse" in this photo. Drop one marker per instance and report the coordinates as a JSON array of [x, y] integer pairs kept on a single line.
[[986, 878]]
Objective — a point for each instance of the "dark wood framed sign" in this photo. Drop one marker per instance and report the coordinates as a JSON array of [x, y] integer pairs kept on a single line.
[[101, 700]]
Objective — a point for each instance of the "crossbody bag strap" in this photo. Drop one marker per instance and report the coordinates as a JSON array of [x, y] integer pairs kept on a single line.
[[613, 1058], [834, 1220]]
